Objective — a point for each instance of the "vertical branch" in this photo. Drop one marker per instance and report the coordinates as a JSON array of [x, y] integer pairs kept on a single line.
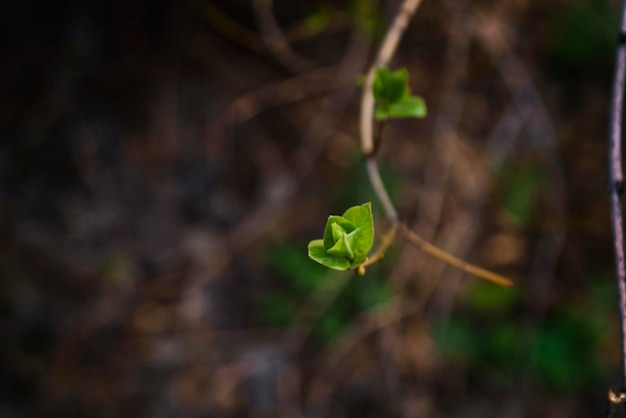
[[368, 146], [386, 51], [379, 189], [617, 180]]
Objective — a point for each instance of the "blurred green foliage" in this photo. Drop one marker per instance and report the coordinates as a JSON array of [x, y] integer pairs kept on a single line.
[[347, 239], [492, 299], [393, 96], [366, 17], [575, 49], [520, 188], [559, 351], [319, 19]]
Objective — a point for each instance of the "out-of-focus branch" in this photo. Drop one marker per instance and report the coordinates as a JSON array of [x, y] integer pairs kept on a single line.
[[299, 87], [616, 177], [252, 41], [230, 28], [491, 32], [275, 40]]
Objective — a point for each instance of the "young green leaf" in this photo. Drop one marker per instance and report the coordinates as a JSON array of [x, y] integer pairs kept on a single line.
[[393, 96], [362, 217], [344, 242], [347, 239], [411, 107], [319, 254], [346, 225], [390, 87]]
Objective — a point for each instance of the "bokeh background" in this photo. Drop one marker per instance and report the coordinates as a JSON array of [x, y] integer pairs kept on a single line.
[[164, 164]]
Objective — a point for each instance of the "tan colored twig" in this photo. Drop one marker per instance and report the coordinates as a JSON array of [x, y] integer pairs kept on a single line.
[[438, 253], [386, 243], [440, 164], [380, 190], [385, 52], [433, 251]]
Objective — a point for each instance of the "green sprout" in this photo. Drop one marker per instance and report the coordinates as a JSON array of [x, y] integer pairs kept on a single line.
[[347, 239], [393, 96]]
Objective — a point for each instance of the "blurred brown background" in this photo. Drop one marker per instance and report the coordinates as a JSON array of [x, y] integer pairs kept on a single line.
[[164, 164]]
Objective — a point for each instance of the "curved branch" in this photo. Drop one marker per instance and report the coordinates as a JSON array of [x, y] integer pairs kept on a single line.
[[385, 52], [370, 146], [380, 190], [275, 40]]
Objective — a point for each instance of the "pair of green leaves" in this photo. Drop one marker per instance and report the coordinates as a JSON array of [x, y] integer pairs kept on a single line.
[[347, 239], [393, 96]]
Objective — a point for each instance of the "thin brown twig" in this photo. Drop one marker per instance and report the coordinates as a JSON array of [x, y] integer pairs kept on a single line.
[[229, 27], [294, 89], [439, 166], [386, 243], [311, 145], [252, 41], [387, 49], [301, 163], [275, 39], [380, 190], [447, 258], [617, 180]]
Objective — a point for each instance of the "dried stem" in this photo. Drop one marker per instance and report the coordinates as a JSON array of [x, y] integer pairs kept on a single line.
[[371, 145], [387, 242], [447, 258], [617, 181], [386, 51], [275, 40], [380, 190]]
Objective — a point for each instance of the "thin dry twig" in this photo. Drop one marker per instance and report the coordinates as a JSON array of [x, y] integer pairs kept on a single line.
[[299, 165], [275, 39], [438, 253], [252, 41], [442, 145], [387, 49], [311, 145], [380, 190], [299, 87], [229, 27], [368, 146], [616, 177], [387, 242]]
